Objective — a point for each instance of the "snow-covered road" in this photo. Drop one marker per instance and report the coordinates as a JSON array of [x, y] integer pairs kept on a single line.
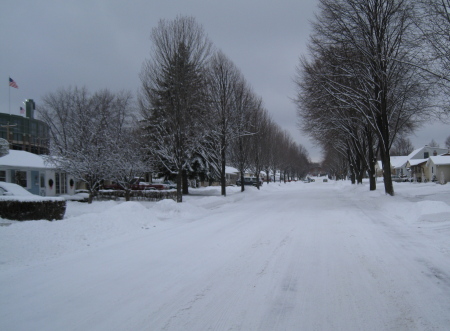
[[318, 256]]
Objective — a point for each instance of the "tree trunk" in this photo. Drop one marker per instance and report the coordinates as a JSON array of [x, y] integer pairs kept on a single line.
[[359, 169], [184, 179], [384, 152], [372, 160], [210, 180], [223, 182], [352, 168], [386, 160], [179, 192], [91, 197]]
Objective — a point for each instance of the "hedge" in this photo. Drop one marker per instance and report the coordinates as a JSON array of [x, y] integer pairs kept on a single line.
[[32, 210], [152, 195]]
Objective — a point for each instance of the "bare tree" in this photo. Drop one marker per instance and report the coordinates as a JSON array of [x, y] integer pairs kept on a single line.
[[335, 163], [261, 122], [223, 82], [434, 25], [129, 159], [327, 115], [433, 143], [81, 129], [245, 103], [173, 93], [270, 146], [4, 147], [402, 146], [369, 42]]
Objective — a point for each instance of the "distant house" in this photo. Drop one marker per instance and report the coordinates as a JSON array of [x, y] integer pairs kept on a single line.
[[417, 169], [232, 175], [33, 173], [400, 166], [438, 167]]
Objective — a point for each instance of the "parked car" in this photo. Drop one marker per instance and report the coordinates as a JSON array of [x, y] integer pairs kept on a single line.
[[249, 181], [10, 189], [171, 184], [137, 185], [400, 179]]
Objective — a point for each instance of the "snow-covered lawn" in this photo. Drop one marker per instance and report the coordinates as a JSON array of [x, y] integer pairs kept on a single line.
[[296, 256]]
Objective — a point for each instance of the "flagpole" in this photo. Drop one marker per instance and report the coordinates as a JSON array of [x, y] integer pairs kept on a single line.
[[9, 109], [9, 97]]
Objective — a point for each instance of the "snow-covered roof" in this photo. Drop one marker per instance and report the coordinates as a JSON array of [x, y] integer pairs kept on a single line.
[[440, 160], [414, 162], [396, 162], [399, 161], [23, 159], [231, 170], [415, 152]]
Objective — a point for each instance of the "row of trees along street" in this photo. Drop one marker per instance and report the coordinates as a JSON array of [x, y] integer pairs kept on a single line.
[[376, 70], [195, 114]]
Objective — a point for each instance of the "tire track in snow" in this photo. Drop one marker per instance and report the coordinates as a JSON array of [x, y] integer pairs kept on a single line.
[[401, 275]]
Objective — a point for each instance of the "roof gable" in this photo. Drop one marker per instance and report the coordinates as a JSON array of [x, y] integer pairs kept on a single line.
[[440, 160], [414, 162], [23, 159], [419, 153]]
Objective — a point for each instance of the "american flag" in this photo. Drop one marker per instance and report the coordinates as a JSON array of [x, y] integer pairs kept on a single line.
[[12, 83], [22, 111]]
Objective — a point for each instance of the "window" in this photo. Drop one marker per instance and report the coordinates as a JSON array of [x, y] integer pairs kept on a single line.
[[61, 183], [42, 181], [57, 183], [33, 128], [426, 155], [21, 178], [2, 176], [18, 136]]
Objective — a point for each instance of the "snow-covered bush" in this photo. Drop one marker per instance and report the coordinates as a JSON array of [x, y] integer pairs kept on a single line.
[[36, 209], [4, 147]]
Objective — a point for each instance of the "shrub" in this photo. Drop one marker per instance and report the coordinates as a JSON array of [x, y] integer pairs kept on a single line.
[[20, 210], [152, 195]]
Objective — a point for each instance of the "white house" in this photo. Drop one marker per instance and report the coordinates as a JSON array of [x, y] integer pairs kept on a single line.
[[33, 173], [232, 175], [439, 167], [400, 166]]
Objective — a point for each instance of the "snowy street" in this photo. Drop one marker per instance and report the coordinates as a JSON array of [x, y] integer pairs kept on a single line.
[[296, 256]]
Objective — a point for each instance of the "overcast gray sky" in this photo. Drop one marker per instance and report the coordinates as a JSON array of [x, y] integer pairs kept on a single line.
[[46, 45]]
